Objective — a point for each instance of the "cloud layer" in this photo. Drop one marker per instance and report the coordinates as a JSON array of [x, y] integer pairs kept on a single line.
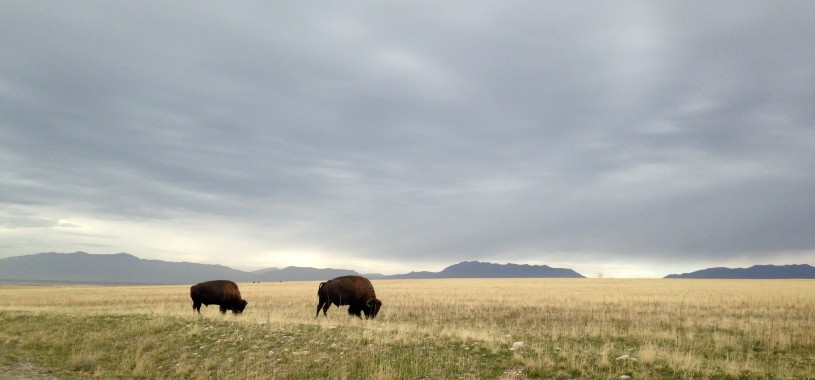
[[633, 139]]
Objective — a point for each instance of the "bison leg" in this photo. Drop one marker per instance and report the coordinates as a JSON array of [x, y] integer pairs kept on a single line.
[[323, 303], [222, 308], [196, 306], [319, 306]]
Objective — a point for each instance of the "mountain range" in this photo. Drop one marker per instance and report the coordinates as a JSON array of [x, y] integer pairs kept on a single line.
[[753, 272], [124, 268]]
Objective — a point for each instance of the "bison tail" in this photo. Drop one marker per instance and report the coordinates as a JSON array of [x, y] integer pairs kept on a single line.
[[320, 287]]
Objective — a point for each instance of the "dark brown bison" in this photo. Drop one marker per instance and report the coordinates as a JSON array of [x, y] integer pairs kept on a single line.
[[224, 293], [354, 291]]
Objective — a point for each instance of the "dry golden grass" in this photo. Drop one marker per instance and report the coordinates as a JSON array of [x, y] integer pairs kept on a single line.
[[571, 328]]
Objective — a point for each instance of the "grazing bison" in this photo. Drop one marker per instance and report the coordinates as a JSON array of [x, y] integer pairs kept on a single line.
[[224, 293], [354, 291]]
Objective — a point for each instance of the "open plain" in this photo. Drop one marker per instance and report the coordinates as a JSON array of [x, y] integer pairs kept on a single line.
[[427, 329]]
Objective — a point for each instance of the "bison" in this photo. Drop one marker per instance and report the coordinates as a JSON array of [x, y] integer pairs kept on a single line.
[[224, 293], [354, 291]]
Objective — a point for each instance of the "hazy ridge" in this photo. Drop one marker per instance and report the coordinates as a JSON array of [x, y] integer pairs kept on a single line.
[[754, 272], [124, 268]]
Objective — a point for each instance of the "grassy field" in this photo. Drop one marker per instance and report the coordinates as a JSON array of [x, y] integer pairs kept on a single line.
[[427, 329]]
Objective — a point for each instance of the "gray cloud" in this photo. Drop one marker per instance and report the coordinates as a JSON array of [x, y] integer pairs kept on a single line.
[[406, 135]]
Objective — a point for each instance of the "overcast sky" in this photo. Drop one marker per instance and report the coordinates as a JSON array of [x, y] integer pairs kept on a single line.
[[633, 139]]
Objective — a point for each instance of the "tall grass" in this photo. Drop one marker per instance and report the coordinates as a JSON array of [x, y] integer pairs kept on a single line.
[[575, 328]]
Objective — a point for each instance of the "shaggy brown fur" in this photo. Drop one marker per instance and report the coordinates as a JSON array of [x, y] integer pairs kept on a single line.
[[224, 293], [354, 291]]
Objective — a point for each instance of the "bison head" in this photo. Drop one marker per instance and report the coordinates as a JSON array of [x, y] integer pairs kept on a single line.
[[239, 307], [372, 307]]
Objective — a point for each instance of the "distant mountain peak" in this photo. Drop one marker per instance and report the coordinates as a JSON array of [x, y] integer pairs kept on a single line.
[[123, 255], [753, 272], [86, 254], [478, 269]]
